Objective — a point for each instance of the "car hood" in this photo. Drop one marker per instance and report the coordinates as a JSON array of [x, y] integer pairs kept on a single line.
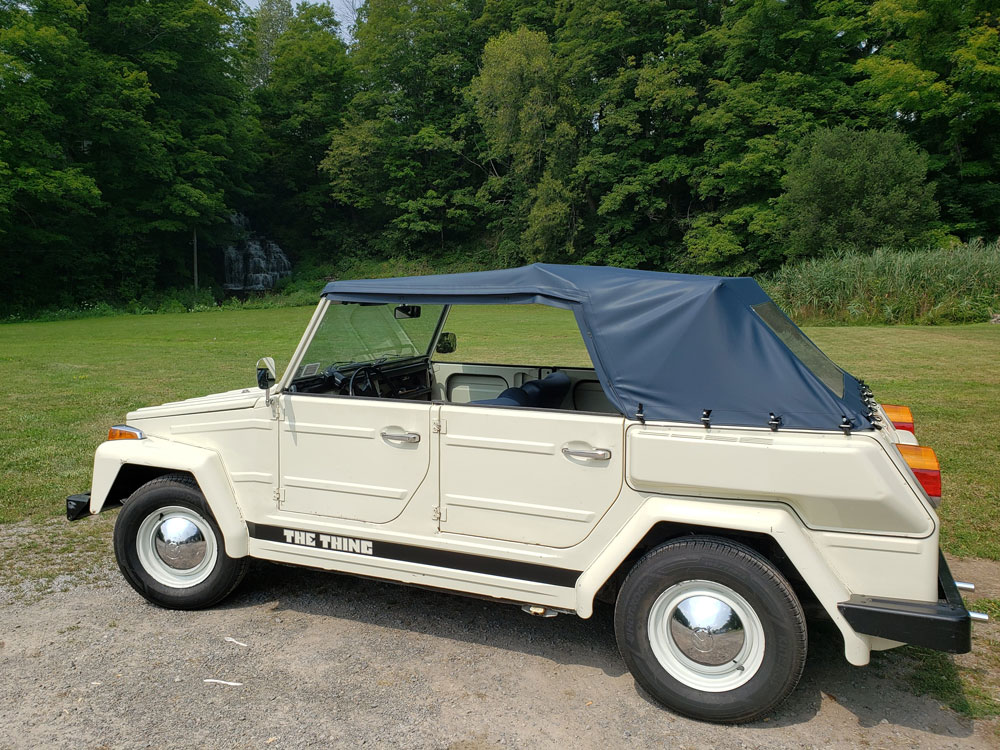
[[242, 398]]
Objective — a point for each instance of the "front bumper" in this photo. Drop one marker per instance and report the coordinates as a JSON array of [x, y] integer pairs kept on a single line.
[[944, 625], [78, 506]]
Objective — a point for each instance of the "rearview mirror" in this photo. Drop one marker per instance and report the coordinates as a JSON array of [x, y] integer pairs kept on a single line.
[[265, 373], [447, 343], [405, 312]]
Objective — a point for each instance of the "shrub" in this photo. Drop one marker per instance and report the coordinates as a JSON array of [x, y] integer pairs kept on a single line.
[[856, 190]]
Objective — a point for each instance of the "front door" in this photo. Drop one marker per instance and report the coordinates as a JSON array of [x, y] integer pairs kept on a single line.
[[360, 459], [538, 476]]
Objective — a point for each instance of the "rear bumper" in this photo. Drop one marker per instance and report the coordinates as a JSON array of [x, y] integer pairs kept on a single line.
[[944, 625]]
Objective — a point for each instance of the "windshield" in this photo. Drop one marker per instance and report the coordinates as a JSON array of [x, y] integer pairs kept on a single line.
[[356, 334]]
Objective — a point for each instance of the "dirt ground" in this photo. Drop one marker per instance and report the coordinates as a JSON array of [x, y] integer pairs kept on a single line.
[[322, 660]]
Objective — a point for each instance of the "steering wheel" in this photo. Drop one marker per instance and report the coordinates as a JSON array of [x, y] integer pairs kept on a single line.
[[369, 386]]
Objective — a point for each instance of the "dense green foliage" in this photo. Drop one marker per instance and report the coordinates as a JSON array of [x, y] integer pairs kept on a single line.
[[847, 189], [121, 132], [300, 102], [672, 134]]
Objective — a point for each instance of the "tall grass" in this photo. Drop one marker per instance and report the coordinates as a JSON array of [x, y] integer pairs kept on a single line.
[[959, 284]]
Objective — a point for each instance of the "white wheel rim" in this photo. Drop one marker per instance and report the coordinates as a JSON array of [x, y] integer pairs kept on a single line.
[[168, 566], [708, 604]]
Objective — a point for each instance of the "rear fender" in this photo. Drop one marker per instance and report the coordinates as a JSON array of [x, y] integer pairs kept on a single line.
[[773, 520], [205, 465]]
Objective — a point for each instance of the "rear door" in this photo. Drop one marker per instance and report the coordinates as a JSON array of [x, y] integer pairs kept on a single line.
[[537, 476]]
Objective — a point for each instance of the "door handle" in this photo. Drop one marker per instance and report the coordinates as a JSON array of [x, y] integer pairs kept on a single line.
[[599, 454], [406, 437]]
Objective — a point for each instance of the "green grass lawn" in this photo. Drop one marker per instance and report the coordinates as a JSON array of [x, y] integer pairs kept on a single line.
[[950, 377], [67, 382]]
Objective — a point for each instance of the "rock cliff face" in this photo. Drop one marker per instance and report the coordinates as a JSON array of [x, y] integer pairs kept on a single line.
[[253, 263]]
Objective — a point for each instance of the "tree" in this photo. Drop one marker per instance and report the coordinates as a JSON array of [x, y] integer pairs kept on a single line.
[[642, 133], [65, 111], [300, 104], [518, 99], [936, 77], [614, 149], [189, 173], [399, 163], [269, 22], [123, 127], [638, 70], [777, 71], [856, 190]]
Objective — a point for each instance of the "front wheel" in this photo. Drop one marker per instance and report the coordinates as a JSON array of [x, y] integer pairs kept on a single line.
[[170, 549], [711, 629]]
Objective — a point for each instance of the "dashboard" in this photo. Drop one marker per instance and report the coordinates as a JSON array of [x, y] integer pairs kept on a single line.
[[409, 380]]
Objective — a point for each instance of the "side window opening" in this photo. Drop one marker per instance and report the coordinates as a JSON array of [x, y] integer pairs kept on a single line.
[[518, 355], [536, 335]]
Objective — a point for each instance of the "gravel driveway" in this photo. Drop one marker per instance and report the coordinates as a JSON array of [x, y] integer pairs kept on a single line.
[[323, 660]]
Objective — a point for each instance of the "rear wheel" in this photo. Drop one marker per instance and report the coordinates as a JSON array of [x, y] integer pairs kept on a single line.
[[711, 629], [170, 549]]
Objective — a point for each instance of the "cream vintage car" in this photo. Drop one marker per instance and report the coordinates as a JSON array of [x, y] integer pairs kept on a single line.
[[710, 473]]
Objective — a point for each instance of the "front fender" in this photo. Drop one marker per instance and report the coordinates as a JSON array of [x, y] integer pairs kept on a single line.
[[774, 520], [205, 465]]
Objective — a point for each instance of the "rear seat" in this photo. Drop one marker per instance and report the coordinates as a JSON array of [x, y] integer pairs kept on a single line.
[[547, 393]]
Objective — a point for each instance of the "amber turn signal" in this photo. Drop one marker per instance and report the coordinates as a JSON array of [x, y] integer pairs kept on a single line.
[[124, 432], [900, 416], [925, 467]]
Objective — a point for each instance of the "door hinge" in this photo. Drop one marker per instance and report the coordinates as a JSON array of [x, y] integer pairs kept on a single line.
[[440, 426], [439, 514]]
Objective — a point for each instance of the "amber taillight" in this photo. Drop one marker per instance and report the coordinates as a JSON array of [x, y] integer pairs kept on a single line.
[[900, 416], [925, 467]]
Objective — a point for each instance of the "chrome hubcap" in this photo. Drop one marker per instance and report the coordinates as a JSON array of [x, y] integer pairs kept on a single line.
[[706, 636], [179, 543], [707, 630], [176, 547]]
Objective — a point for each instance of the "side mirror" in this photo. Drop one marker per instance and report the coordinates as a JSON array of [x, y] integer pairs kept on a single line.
[[447, 343], [405, 312], [265, 373]]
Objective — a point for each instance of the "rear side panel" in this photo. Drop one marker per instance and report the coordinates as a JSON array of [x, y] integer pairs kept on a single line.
[[834, 482]]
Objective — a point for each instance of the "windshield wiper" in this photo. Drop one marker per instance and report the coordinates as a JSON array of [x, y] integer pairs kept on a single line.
[[354, 363]]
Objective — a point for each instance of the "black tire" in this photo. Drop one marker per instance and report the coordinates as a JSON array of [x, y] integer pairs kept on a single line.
[[215, 581], [777, 621]]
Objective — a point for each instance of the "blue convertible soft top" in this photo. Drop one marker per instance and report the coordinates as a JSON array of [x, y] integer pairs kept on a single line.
[[665, 346]]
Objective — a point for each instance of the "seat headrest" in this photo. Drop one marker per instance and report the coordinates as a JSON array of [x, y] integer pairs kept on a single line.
[[509, 397], [549, 392]]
